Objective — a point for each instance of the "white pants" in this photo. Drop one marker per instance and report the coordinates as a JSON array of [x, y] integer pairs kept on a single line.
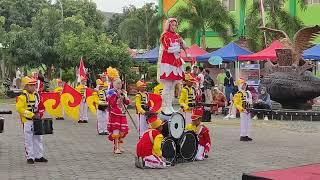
[[102, 120], [208, 98], [154, 162], [32, 143], [200, 153], [187, 117], [245, 124], [83, 111], [143, 124], [168, 95]]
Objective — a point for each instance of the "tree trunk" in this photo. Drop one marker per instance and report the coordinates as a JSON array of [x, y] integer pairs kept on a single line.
[[203, 39]]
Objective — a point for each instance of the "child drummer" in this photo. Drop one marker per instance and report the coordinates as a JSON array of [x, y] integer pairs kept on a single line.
[[202, 133], [149, 152], [27, 106], [102, 112], [141, 100], [187, 97]]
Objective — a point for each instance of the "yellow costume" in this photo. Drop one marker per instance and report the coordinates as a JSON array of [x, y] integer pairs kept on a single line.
[[102, 113], [141, 107], [26, 104], [158, 89], [186, 98]]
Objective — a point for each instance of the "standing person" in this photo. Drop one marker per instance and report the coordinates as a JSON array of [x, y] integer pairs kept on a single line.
[[148, 150], [207, 86], [202, 133], [141, 101], [201, 78], [187, 98], [81, 88], [220, 80], [243, 101], [59, 89], [188, 70], [263, 102], [102, 111], [228, 85], [195, 71], [18, 78], [171, 69], [118, 125], [27, 106]]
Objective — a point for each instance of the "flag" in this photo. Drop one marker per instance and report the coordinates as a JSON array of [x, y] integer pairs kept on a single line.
[[81, 71], [92, 99], [70, 101], [51, 103], [154, 102]]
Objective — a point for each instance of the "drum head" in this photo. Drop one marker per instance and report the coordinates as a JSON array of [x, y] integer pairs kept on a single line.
[[176, 125], [168, 147], [188, 144]]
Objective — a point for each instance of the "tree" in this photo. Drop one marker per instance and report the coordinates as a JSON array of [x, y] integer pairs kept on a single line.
[[276, 17], [203, 15], [139, 27]]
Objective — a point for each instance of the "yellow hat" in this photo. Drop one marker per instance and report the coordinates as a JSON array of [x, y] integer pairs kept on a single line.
[[240, 81], [189, 77], [28, 81], [154, 122], [141, 83]]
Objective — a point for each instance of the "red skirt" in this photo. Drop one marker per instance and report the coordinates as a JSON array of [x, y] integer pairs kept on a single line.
[[117, 122]]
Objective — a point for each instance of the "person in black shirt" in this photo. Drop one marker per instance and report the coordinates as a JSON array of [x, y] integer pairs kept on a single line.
[[229, 85]]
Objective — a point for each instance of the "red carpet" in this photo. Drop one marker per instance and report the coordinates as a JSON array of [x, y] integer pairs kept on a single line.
[[307, 172]]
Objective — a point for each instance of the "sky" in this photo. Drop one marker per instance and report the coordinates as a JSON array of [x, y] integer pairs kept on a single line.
[[116, 5]]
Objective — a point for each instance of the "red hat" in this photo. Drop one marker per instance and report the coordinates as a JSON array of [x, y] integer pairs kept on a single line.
[[196, 113], [154, 122]]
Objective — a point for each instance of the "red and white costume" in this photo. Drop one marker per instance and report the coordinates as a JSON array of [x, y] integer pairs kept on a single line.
[[170, 64], [118, 125]]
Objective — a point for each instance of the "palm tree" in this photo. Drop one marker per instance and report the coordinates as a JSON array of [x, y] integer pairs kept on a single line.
[[276, 17], [203, 15]]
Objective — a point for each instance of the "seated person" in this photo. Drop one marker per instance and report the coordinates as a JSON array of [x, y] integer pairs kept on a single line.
[[263, 102], [149, 153], [202, 133], [219, 100]]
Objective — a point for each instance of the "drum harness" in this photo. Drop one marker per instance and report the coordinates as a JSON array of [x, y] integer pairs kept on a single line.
[[32, 105]]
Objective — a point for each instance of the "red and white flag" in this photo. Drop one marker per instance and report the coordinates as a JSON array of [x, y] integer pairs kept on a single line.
[[81, 71]]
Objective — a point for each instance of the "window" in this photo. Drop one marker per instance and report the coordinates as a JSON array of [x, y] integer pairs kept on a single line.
[[229, 4]]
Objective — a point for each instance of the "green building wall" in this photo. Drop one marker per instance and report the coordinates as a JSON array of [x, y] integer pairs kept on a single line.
[[310, 17]]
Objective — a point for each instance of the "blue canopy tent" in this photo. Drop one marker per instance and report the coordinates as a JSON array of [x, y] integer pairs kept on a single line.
[[312, 53], [229, 53], [151, 56]]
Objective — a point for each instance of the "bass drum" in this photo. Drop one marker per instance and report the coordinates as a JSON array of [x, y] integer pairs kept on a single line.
[[188, 146], [174, 126], [169, 149]]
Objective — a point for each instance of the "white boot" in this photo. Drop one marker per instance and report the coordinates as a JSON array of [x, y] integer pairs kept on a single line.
[[165, 105], [266, 118], [255, 117], [170, 102]]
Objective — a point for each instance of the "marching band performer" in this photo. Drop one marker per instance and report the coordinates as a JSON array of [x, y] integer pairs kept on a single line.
[[158, 89], [118, 125], [170, 63], [27, 106], [149, 152], [187, 97], [243, 101], [202, 133], [102, 112], [59, 89], [103, 78], [141, 100], [83, 105]]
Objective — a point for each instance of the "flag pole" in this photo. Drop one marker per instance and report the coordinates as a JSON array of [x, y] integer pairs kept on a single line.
[[263, 21]]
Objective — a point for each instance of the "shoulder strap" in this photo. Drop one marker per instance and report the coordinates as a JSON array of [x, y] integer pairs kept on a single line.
[[150, 136]]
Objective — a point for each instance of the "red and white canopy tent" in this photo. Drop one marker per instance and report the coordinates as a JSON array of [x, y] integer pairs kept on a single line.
[[192, 52], [268, 53]]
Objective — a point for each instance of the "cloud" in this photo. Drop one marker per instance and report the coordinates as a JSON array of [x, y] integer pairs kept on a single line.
[[117, 5]]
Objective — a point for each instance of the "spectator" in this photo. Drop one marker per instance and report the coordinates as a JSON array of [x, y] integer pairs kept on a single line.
[[228, 85], [201, 78], [220, 80], [188, 70], [219, 100], [195, 71], [263, 102], [207, 86]]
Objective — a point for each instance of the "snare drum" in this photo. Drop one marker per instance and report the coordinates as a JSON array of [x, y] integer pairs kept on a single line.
[[42, 127], [174, 127], [168, 147], [187, 146], [1, 124]]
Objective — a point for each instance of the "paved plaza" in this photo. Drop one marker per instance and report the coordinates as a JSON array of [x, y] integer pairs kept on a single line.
[[75, 151]]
